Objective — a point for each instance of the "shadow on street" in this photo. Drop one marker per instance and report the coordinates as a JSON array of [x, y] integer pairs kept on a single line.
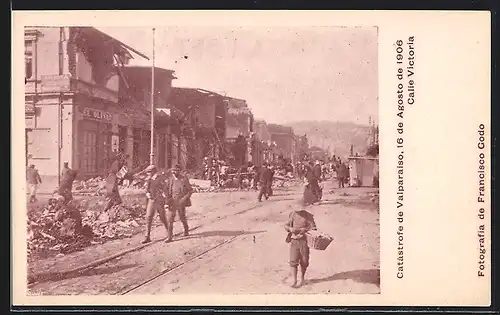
[[223, 233], [371, 276], [55, 276]]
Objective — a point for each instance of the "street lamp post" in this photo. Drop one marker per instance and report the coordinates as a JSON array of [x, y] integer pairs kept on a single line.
[[151, 155]]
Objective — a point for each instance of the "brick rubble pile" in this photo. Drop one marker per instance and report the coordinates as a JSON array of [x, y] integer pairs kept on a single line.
[[61, 229]]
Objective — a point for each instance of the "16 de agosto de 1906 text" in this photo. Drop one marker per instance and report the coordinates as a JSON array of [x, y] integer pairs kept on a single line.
[[405, 65]]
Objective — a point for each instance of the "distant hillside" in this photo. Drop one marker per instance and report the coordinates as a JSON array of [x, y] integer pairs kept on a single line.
[[337, 135]]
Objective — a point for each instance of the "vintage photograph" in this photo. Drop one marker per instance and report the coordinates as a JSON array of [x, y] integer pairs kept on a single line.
[[202, 160]]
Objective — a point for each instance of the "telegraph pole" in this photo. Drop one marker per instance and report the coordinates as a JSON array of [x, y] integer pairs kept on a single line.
[[151, 155]]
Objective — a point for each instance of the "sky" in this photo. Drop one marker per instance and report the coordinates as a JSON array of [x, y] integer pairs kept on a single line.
[[284, 74]]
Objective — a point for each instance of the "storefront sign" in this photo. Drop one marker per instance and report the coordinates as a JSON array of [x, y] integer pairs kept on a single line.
[[55, 83], [97, 91], [97, 114], [115, 143]]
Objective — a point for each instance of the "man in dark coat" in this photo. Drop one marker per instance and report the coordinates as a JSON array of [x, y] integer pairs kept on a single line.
[[265, 179], [155, 192], [66, 185], [317, 170], [342, 174], [312, 191]]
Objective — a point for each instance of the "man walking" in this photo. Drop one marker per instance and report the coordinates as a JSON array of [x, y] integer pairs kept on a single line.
[[312, 193], [265, 181], [179, 193], [342, 174], [155, 192], [33, 179]]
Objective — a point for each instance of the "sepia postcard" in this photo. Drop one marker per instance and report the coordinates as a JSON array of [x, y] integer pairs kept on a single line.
[[251, 158]]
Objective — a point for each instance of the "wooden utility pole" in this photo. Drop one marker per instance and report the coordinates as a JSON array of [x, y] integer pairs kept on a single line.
[[152, 154]]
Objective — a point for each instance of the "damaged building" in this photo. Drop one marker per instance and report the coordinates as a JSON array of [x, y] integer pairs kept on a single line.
[[202, 124], [72, 101], [135, 97]]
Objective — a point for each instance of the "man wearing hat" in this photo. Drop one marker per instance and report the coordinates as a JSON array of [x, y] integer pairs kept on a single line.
[[179, 192], [266, 180], [299, 223], [155, 192], [33, 179]]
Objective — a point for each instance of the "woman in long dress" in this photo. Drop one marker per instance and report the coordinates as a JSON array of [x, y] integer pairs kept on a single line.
[[310, 190]]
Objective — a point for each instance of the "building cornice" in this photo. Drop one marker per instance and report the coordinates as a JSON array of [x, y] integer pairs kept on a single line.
[[32, 34]]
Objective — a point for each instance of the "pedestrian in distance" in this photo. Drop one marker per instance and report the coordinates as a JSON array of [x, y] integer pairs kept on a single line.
[[33, 179], [179, 192], [265, 180], [312, 190], [317, 170], [155, 193], [270, 182], [299, 223], [112, 193], [342, 174], [66, 185]]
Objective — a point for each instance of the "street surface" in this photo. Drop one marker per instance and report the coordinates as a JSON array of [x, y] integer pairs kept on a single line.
[[237, 245]]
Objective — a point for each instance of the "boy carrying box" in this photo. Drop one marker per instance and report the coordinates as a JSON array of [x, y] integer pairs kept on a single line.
[[299, 223]]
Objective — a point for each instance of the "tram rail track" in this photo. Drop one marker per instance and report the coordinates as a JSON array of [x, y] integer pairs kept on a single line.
[[42, 277], [197, 256]]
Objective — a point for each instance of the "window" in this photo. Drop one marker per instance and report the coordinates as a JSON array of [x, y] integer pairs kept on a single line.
[[28, 59]]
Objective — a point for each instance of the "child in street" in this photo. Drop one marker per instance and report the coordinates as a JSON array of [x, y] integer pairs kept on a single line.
[[300, 222]]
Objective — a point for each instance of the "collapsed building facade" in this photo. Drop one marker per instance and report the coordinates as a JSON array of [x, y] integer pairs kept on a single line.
[[135, 97], [239, 131], [72, 102], [202, 124]]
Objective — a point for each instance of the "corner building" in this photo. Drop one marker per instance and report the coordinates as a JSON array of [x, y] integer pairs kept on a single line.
[[73, 111]]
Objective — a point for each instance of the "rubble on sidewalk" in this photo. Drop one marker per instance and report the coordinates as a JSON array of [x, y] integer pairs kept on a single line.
[[59, 229], [97, 186]]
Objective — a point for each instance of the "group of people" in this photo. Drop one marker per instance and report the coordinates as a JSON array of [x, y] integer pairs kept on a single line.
[[167, 194]]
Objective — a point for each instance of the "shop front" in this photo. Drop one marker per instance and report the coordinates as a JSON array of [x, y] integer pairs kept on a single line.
[[101, 131]]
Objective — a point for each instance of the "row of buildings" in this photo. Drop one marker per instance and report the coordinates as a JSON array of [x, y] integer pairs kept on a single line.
[[83, 101]]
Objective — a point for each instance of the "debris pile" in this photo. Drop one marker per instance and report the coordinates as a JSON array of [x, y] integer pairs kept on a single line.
[[92, 187], [59, 229], [97, 186], [117, 222]]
